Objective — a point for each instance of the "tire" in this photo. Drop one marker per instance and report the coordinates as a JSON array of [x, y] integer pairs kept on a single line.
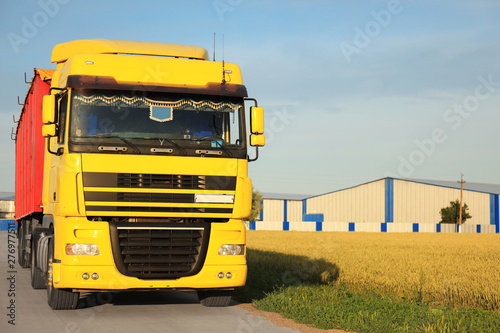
[[38, 281], [215, 298], [59, 299]]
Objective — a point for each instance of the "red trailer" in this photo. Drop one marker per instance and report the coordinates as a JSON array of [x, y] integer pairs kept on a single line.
[[30, 146]]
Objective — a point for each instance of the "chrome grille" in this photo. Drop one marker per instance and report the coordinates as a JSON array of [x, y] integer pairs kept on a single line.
[[159, 252], [161, 181], [140, 195]]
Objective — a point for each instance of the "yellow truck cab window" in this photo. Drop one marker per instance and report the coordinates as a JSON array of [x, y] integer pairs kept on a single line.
[[152, 123]]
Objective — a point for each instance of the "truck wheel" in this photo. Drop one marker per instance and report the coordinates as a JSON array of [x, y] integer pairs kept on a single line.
[[59, 299], [37, 279], [215, 298]]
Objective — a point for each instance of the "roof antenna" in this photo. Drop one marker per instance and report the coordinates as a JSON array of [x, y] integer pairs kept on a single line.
[[214, 46]]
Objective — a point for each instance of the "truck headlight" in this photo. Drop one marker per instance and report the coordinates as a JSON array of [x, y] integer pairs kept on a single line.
[[232, 249], [82, 249]]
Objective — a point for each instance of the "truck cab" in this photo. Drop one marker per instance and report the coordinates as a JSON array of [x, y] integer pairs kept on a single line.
[[145, 182]]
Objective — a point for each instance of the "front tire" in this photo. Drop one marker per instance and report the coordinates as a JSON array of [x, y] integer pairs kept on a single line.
[[215, 298], [58, 299]]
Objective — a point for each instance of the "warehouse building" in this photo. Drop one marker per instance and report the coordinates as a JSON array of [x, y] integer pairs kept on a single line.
[[7, 211], [383, 205]]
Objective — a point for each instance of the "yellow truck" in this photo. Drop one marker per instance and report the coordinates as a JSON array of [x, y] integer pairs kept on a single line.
[[145, 183]]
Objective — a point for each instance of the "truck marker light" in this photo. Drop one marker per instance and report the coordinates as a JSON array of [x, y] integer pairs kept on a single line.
[[89, 62]]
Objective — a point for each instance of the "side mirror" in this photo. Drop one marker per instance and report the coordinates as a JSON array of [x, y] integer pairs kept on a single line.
[[49, 130], [257, 119], [258, 140], [49, 109]]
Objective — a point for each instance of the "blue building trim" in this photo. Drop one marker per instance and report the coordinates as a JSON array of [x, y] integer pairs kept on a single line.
[[318, 218], [352, 226], [252, 225], [383, 227], [416, 227], [478, 228], [262, 210], [496, 213], [497, 219], [438, 227], [389, 200], [313, 218], [319, 226], [286, 226]]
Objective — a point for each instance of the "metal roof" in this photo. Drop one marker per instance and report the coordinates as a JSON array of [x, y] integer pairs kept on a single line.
[[477, 187], [285, 196]]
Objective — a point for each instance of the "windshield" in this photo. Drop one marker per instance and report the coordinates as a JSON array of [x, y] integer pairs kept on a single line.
[[154, 119]]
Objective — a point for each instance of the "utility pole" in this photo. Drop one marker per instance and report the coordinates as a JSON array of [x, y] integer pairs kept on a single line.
[[461, 192]]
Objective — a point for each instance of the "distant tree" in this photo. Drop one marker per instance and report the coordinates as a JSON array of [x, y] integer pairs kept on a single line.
[[256, 205], [450, 214]]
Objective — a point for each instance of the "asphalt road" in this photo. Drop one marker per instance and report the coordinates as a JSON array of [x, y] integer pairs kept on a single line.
[[159, 311]]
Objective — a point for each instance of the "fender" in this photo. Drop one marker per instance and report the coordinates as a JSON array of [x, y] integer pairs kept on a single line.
[[47, 221]]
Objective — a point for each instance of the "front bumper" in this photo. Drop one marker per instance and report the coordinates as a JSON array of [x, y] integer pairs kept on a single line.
[[110, 279], [69, 270]]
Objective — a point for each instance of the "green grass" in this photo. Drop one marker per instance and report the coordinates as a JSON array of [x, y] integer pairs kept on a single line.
[[308, 291], [330, 307]]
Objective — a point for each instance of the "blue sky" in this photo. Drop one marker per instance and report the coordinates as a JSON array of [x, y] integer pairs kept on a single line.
[[353, 90]]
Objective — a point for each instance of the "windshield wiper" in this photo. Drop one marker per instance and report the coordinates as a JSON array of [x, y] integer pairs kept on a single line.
[[218, 141], [131, 145], [107, 136], [172, 142]]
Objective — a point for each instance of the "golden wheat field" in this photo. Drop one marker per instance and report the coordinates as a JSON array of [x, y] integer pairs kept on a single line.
[[447, 269]]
